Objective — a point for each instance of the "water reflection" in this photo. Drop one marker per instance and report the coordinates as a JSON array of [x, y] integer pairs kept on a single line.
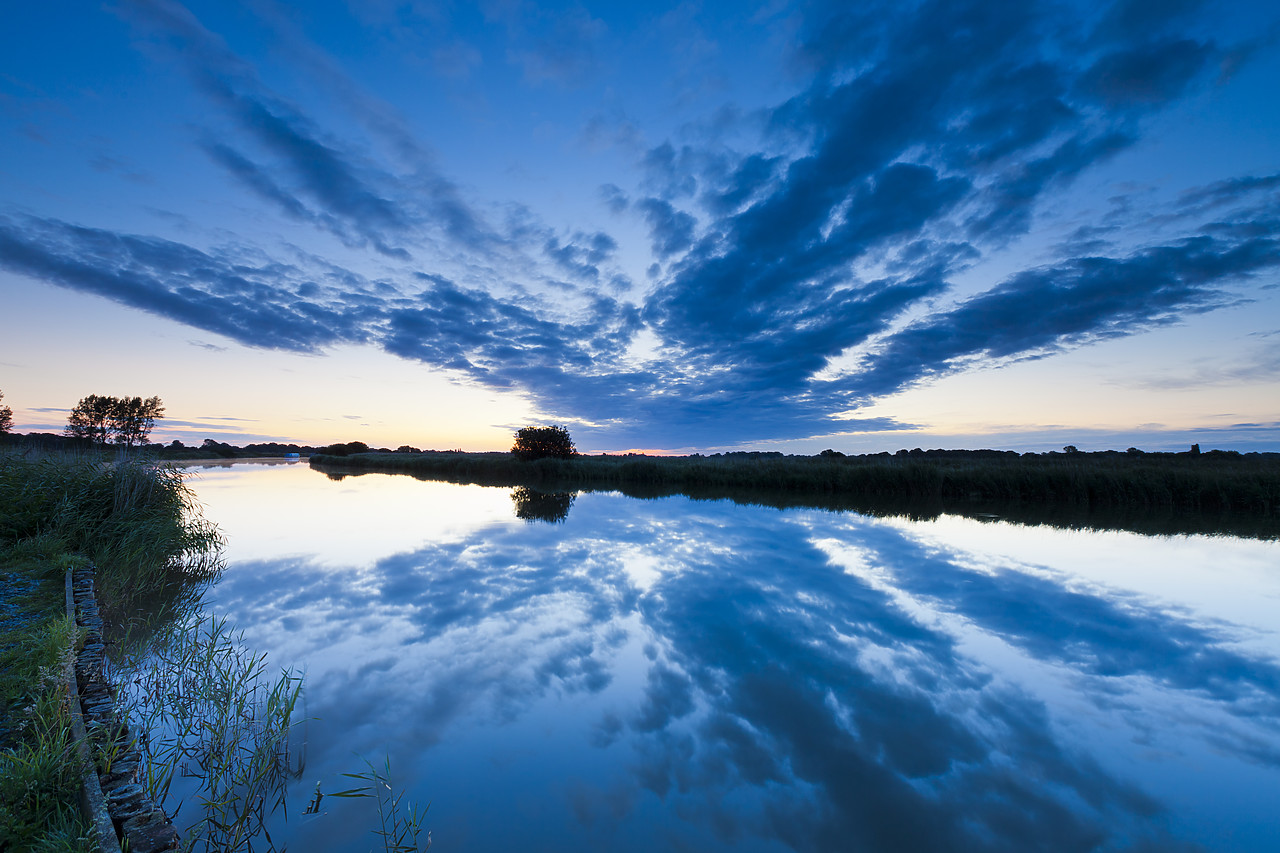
[[672, 674], [533, 505]]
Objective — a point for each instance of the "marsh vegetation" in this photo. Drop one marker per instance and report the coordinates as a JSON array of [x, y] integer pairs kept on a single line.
[[57, 511], [1148, 492]]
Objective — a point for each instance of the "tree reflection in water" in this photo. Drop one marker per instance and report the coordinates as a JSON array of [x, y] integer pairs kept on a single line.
[[533, 505]]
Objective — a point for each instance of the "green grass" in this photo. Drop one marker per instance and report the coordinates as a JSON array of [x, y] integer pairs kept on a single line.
[[39, 776], [40, 782], [137, 522]]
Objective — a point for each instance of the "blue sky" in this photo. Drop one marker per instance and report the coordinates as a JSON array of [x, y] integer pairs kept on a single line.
[[672, 227]]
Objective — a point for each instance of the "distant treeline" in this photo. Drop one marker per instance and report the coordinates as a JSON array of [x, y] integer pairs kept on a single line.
[[1215, 481]]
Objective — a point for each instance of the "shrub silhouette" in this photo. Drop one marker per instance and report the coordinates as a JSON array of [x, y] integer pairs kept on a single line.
[[345, 449], [551, 442]]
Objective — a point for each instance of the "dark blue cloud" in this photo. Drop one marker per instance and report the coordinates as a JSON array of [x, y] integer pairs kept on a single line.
[[1147, 74], [1125, 19], [1090, 298], [614, 198], [1228, 192], [257, 179], [746, 179], [222, 291], [773, 290], [354, 198], [582, 255], [501, 342], [671, 230], [673, 173]]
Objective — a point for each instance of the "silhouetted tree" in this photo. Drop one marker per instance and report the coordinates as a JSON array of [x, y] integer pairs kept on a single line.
[[132, 419], [90, 419], [551, 442], [126, 420], [6, 417], [221, 448], [345, 449]]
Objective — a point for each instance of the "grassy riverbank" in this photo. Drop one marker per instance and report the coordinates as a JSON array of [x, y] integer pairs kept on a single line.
[[1151, 493], [132, 520], [1212, 481]]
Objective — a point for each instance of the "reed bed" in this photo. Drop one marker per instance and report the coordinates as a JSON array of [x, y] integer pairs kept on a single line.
[[137, 521], [139, 524], [1202, 482], [210, 708]]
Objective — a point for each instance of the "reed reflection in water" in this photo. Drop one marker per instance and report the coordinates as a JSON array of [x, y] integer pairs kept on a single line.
[[671, 674]]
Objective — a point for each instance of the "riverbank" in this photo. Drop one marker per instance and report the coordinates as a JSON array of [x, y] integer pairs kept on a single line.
[[1238, 491], [59, 512]]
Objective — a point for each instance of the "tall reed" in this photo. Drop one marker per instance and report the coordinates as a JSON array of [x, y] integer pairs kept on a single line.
[[138, 522], [212, 710]]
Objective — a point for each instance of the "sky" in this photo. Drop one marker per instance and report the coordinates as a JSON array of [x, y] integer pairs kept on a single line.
[[670, 227]]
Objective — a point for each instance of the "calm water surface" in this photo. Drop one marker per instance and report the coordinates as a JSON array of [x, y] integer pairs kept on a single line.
[[682, 675]]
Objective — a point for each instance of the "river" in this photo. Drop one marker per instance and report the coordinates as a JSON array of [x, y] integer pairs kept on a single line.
[[608, 673]]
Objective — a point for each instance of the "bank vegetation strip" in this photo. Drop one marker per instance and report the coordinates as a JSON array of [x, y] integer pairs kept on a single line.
[[60, 513], [1245, 487]]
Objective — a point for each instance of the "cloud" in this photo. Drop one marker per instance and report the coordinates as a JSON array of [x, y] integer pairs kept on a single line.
[[256, 179], [354, 197], [1150, 73], [798, 258], [218, 291], [323, 173], [671, 230], [668, 696], [1094, 631], [1041, 310], [503, 343], [582, 255], [1230, 191]]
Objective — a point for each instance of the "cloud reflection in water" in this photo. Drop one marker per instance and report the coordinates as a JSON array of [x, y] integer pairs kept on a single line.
[[770, 680]]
